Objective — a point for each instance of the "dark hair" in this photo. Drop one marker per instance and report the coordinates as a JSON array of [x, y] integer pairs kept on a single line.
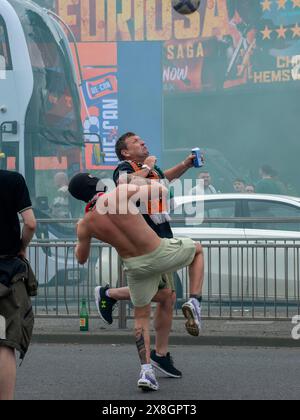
[[268, 170], [240, 180], [121, 144]]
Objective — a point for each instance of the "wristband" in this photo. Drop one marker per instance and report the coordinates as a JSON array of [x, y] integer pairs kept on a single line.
[[147, 167]]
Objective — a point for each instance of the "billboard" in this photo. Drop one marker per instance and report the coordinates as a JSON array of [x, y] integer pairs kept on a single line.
[[173, 73], [114, 76], [100, 110], [238, 44], [225, 45]]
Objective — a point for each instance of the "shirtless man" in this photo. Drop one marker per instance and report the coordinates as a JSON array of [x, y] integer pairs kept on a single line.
[[145, 256]]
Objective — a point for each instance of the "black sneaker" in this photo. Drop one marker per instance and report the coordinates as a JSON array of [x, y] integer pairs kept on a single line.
[[105, 305], [165, 365]]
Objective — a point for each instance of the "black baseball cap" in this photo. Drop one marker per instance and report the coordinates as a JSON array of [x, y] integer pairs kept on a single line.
[[85, 186]]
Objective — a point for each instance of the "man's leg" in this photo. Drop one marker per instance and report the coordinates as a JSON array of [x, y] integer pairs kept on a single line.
[[163, 318], [120, 293], [196, 272], [147, 380], [162, 322], [192, 308], [160, 357], [106, 299], [7, 373], [142, 332]]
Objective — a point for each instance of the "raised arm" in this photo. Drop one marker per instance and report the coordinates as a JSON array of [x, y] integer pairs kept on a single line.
[[178, 170]]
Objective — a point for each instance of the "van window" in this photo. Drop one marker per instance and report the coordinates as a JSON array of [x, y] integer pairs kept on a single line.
[[5, 57]]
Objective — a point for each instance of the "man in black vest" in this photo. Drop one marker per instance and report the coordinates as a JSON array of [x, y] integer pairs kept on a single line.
[[16, 322]]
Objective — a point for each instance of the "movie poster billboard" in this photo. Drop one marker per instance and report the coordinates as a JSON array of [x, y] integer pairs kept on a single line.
[[225, 45], [235, 44]]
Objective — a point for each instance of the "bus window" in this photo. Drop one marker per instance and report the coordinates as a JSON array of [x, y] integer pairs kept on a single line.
[[58, 110], [53, 126], [5, 58]]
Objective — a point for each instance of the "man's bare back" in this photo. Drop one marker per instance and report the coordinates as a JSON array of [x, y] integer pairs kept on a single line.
[[128, 233]]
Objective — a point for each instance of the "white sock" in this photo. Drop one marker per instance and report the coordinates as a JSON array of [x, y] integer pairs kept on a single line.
[[146, 367], [107, 293], [196, 302]]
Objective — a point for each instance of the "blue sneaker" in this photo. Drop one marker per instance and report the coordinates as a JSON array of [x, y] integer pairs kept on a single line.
[[147, 380], [105, 305]]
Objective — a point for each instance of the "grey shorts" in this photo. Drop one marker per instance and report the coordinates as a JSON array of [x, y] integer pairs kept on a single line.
[[145, 273]]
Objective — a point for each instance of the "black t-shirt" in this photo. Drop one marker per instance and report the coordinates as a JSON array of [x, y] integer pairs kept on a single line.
[[14, 199], [164, 230]]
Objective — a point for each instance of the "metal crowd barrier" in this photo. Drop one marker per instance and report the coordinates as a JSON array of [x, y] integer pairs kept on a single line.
[[252, 279]]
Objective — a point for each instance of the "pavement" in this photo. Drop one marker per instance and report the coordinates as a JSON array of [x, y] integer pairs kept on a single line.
[[245, 333], [110, 372], [231, 359]]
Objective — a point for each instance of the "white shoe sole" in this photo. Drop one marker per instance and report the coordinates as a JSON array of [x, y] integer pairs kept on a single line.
[[147, 386], [192, 325], [156, 366], [97, 298]]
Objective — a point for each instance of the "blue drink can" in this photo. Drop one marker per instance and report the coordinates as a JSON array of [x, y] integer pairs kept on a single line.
[[197, 161]]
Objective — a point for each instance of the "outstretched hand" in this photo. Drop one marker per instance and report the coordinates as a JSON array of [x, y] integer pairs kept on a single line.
[[189, 161]]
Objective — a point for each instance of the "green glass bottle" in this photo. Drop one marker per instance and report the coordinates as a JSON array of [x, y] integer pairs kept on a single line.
[[84, 316]]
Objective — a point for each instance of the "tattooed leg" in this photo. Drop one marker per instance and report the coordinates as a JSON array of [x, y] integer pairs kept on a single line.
[[142, 335], [140, 344]]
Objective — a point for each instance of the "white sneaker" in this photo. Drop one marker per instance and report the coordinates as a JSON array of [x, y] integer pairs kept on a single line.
[[147, 380], [192, 312]]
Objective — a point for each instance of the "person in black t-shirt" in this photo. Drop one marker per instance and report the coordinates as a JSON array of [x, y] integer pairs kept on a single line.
[[163, 229], [131, 148], [14, 198]]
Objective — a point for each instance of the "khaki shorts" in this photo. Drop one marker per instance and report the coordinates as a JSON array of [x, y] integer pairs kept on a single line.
[[167, 282], [146, 274]]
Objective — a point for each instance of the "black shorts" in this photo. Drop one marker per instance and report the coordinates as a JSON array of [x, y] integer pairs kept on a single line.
[[16, 317]]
